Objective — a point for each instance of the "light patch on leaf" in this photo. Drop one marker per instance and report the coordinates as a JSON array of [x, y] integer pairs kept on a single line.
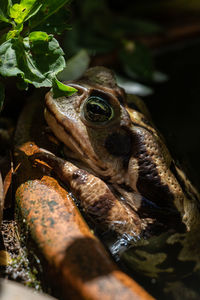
[[37, 36], [24, 10]]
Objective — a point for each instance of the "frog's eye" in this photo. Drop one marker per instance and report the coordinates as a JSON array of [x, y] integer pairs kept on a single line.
[[97, 110]]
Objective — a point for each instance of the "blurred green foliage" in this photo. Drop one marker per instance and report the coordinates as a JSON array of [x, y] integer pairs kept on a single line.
[[100, 28], [117, 28]]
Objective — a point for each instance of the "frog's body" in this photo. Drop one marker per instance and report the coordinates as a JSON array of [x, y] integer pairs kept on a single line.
[[120, 169]]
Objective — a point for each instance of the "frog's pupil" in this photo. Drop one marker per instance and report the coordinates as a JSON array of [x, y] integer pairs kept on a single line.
[[98, 110]]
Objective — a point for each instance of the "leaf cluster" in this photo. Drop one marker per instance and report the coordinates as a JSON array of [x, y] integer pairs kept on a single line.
[[32, 55]]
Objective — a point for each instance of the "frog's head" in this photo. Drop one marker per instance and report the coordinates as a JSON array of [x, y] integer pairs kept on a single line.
[[117, 143], [93, 122]]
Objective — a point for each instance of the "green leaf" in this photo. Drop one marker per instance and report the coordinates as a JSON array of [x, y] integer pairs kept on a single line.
[[49, 7], [24, 10], [3, 11], [33, 10], [8, 59], [14, 33], [44, 59], [60, 89], [16, 11], [3, 17], [38, 36], [37, 62], [76, 66], [2, 95]]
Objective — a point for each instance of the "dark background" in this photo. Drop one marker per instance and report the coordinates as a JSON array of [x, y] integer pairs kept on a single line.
[[175, 104]]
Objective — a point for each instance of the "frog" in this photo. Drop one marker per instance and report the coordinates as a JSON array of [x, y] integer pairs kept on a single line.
[[122, 175]]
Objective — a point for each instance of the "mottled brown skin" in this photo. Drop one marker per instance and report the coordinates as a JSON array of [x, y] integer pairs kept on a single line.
[[131, 181], [96, 198], [74, 261]]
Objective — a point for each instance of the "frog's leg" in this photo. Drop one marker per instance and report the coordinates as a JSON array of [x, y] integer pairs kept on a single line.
[[95, 196]]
